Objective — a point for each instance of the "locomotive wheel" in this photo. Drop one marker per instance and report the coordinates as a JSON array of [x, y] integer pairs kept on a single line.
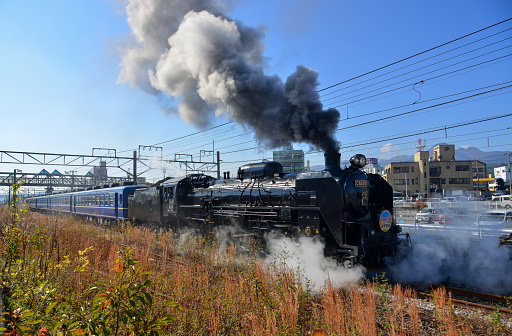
[[347, 264]]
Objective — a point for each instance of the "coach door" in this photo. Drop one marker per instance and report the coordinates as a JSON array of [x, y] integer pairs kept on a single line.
[[116, 205], [169, 204]]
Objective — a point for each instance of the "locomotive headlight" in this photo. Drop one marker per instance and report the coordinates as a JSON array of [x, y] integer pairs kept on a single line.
[[358, 160]]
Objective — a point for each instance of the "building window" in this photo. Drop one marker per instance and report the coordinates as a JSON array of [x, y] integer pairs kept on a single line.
[[446, 149], [480, 170], [435, 171], [462, 180], [398, 170], [462, 168], [412, 169], [400, 182]]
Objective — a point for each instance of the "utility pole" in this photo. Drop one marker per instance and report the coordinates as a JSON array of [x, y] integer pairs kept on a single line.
[[134, 167], [509, 175], [218, 165], [406, 186]]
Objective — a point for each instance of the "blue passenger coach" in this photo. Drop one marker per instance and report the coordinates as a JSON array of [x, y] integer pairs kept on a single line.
[[105, 203]]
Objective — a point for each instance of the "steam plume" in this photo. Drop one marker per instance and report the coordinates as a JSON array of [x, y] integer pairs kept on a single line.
[[191, 51], [457, 259], [307, 255]]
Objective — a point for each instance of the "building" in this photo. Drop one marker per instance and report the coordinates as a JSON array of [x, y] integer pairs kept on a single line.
[[441, 175], [100, 172], [372, 166], [291, 159]]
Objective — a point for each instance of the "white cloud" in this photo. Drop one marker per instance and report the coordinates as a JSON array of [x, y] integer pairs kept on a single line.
[[388, 148]]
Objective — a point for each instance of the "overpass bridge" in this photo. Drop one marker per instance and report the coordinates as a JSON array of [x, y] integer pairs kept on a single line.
[[58, 180]]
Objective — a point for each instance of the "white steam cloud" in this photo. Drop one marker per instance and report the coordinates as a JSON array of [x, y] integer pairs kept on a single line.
[[167, 169], [457, 259], [306, 255], [191, 51]]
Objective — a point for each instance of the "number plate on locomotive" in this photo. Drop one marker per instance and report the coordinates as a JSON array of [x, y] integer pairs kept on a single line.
[[361, 183]]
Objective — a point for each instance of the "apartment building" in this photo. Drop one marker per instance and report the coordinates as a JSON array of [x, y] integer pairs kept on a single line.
[[291, 159], [441, 175]]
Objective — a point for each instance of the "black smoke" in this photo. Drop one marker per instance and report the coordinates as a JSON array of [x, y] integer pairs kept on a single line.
[[190, 51]]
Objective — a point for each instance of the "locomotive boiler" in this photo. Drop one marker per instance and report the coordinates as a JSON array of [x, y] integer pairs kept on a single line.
[[350, 210]]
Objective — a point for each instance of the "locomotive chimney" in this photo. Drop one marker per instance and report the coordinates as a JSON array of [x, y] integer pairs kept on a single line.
[[332, 163]]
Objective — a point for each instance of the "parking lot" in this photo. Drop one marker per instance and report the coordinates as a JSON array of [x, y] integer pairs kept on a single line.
[[468, 221]]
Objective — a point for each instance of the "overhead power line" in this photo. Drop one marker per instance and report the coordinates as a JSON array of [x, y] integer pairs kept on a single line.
[[426, 59], [424, 108], [420, 53], [423, 74], [426, 80]]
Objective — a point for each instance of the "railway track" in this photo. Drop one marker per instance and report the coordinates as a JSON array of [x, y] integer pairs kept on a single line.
[[472, 299]]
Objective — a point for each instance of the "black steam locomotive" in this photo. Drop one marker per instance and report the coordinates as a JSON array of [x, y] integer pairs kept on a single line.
[[349, 209]]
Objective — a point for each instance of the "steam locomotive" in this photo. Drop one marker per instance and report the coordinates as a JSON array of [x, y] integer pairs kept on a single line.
[[349, 209]]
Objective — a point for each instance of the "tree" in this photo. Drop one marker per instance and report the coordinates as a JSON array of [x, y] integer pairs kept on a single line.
[[501, 184]]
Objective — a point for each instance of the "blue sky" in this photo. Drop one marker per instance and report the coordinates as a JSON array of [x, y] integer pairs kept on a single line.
[[60, 64]]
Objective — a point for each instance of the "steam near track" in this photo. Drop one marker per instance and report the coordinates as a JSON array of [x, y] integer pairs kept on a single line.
[[457, 259], [191, 51], [307, 255]]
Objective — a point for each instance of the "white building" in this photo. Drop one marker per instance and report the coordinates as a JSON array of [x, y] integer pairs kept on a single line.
[[372, 166]]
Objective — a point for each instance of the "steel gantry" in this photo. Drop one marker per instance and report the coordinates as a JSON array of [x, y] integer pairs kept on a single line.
[[57, 180], [44, 178]]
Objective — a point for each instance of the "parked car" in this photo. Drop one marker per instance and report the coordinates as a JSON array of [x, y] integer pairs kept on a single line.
[[428, 215], [503, 201], [495, 219], [455, 216], [422, 202], [448, 200], [398, 200]]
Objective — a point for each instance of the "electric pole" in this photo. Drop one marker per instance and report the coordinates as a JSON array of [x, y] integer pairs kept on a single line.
[[509, 175]]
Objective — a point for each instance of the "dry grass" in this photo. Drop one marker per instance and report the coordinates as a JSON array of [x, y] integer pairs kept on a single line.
[[224, 294]]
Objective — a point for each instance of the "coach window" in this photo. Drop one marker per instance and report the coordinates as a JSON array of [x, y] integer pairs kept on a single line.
[[120, 199]]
